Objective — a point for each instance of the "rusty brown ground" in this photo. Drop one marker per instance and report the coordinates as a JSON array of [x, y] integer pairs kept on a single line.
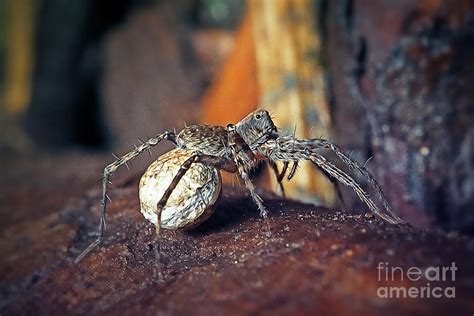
[[317, 260]]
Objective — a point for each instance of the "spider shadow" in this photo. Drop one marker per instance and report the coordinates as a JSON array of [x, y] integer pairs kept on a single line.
[[230, 212]]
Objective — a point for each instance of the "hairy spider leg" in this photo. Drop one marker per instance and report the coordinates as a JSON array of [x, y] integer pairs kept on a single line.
[[289, 148], [293, 170], [337, 187], [244, 159], [109, 171], [213, 161], [355, 165], [279, 176], [345, 179], [333, 180]]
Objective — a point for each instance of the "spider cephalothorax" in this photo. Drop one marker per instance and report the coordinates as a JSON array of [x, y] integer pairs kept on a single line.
[[256, 128], [237, 149]]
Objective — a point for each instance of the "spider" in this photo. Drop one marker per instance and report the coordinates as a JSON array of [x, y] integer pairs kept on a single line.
[[203, 150]]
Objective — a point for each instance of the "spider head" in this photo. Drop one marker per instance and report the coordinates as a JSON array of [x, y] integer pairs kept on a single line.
[[257, 127]]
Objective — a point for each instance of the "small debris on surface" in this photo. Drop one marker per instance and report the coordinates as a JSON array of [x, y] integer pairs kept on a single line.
[[369, 215]]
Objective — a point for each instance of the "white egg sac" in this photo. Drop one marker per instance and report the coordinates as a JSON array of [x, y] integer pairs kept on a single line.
[[192, 200]]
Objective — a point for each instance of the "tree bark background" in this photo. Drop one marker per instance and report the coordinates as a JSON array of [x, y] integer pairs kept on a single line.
[[401, 76], [292, 84], [400, 88]]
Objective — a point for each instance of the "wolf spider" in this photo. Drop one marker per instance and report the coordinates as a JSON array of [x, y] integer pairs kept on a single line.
[[240, 148]]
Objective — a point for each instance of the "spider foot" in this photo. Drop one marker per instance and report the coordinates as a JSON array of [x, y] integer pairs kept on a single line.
[[157, 271], [88, 249], [266, 223], [94, 234]]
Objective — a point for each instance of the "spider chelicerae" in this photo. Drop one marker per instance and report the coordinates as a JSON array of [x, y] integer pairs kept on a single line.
[[190, 173]]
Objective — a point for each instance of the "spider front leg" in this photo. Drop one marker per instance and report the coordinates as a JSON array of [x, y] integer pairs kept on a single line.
[[245, 161], [293, 171], [354, 165], [290, 148], [253, 193], [109, 171], [255, 197], [279, 176], [336, 186], [345, 179]]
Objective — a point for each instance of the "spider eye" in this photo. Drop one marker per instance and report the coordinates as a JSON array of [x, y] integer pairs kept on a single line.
[[258, 116]]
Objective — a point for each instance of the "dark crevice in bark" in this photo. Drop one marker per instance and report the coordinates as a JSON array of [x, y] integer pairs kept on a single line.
[[349, 15]]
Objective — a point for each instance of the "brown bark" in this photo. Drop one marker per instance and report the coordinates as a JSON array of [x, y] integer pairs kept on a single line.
[[316, 262], [291, 80], [234, 92], [401, 73], [151, 81]]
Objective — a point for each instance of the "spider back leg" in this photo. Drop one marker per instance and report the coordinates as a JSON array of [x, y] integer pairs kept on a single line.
[[217, 162], [109, 171], [161, 204]]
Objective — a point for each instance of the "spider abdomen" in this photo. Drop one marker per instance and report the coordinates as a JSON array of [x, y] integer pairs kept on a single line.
[[193, 199]]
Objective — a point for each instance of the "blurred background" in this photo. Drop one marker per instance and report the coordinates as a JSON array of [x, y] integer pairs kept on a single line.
[[389, 81]]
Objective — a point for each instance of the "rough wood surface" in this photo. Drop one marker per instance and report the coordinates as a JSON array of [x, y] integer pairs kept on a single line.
[[317, 261]]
